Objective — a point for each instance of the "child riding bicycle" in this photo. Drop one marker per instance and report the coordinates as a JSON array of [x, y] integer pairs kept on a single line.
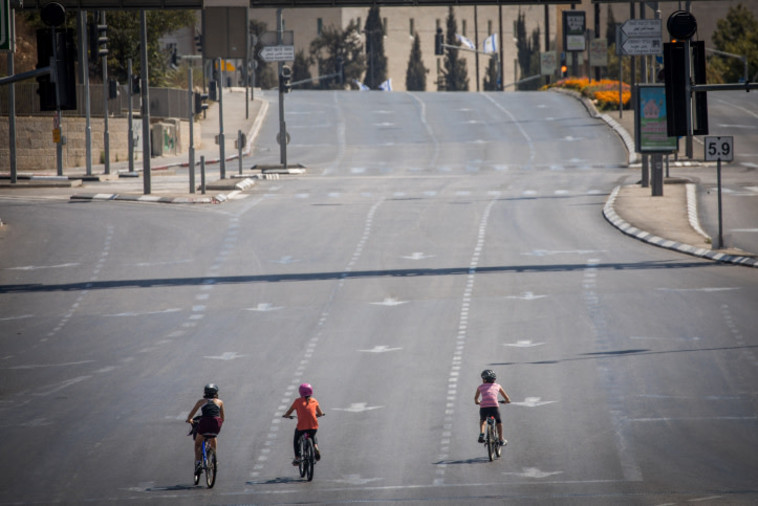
[[210, 421], [308, 411], [488, 406]]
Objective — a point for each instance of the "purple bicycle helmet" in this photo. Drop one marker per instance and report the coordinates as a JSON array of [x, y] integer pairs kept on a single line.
[[306, 390]]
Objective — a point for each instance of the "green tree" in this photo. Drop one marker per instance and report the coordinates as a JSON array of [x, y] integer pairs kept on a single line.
[[301, 70], [455, 75], [124, 39], [334, 43], [491, 76], [265, 73], [737, 33], [376, 71], [415, 76]]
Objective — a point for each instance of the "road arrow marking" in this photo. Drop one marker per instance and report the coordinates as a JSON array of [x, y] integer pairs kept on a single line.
[[534, 472], [389, 301], [381, 349], [229, 355], [263, 307], [286, 260], [526, 296], [523, 344], [706, 290], [417, 255], [533, 402], [358, 407]]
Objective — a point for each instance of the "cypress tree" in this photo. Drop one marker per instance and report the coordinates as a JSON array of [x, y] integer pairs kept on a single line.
[[415, 76]]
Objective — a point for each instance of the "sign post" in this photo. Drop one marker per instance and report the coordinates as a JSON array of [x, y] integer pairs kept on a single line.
[[5, 25], [719, 148]]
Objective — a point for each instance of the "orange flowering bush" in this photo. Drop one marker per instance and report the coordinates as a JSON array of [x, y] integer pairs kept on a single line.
[[604, 93]]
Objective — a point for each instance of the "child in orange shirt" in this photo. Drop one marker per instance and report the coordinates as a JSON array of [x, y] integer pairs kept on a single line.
[[308, 411]]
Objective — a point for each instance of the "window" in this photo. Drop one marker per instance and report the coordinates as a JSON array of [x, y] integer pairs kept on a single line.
[[384, 26], [463, 27], [319, 25], [489, 27], [410, 27]]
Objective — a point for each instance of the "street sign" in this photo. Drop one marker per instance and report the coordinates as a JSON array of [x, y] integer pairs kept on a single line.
[[719, 149], [640, 37], [277, 53], [5, 25]]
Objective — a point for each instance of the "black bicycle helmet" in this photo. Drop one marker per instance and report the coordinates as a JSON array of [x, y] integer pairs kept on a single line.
[[210, 391], [489, 375]]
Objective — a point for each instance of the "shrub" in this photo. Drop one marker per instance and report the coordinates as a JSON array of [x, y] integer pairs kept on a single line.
[[604, 93]]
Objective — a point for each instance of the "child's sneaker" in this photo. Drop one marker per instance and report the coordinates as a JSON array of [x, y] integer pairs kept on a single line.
[[481, 438]]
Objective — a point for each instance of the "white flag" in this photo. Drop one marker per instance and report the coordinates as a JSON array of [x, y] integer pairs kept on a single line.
[[361, 86], [490, 44], [464, 41], [386, 85]]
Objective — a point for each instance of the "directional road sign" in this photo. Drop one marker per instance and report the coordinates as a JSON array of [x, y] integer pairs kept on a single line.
[[640, 37], [278, 53], [5, 25]]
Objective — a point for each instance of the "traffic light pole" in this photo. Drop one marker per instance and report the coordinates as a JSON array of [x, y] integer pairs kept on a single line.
[[106, 133], [282, 123]]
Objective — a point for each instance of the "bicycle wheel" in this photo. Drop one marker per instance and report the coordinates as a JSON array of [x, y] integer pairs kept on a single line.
[[301, 443], [309, 459], [490, 441], [210, 467]]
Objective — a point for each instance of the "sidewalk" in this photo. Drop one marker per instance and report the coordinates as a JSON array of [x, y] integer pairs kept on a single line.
[[669, 221]]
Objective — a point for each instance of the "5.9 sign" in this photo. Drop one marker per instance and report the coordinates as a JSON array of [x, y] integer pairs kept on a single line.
[[719, 148]]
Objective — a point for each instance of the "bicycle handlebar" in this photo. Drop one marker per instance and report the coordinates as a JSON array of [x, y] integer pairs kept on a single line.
[[293, 417]]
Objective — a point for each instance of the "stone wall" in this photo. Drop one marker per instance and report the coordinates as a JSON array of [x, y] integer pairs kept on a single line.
[[36, 150]]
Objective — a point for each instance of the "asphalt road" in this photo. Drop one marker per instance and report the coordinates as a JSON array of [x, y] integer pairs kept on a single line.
[[434, 236]]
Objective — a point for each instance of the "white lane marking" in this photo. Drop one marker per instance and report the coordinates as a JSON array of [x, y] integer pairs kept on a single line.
[[263, 307], [286, 260], [526, 296], [704, 290], [381, 349], [40, 267], [546, 252], [417, 255], [390, 301], [19, 317], [523, 344], [51, 389], [41, 366], [229, 355], [534, 472], [146, 313], [355, 479]]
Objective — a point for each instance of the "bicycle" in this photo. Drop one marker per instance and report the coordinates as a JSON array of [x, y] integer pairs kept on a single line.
[[208, 464], [491, 438], [307, 455]]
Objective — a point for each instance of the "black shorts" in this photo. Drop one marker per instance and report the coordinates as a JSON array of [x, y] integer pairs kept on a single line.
[[485, 413]]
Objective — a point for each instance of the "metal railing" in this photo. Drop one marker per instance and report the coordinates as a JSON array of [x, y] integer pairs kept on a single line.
[[164, 102]]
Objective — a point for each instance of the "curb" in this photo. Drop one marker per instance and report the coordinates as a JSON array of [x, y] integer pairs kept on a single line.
[[614, 219], [243, 185]]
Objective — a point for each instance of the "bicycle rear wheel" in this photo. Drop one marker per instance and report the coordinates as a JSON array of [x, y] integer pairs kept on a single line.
[[309, 459], [210, 467], [491, 441], [301, 443]]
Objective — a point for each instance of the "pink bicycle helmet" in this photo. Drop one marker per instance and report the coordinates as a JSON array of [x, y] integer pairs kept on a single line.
[[306, 390]]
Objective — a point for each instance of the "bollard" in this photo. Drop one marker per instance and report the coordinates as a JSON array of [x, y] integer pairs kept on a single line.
[[192, 171], [239, 149], [202, 174]]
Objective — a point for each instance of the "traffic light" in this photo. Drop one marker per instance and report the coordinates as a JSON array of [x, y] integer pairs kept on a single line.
[[438, 41], [200, 104], [135, 85], [102, 40], [199, 43], [564, 67], [62, 75], [682, 25], [341, 69], [285, 79]]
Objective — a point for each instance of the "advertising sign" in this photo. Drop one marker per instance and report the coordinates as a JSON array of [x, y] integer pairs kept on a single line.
[[574, 28], [598, 52], [548, 63], [650, 120]]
